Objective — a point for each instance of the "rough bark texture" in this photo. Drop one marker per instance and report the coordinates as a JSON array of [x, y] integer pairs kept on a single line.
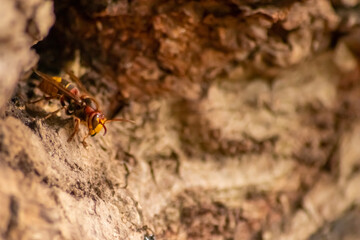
[[23, 23], [247, 120]]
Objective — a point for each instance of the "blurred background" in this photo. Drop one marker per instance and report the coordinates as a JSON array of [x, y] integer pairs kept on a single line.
[[246, 120]]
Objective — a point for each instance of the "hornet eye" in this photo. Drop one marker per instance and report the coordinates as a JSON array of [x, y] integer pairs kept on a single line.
[[95, 121]]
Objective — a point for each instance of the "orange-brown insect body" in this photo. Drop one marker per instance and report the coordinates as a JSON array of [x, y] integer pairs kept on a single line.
[[83, 107], [52, 90], [48, 89]]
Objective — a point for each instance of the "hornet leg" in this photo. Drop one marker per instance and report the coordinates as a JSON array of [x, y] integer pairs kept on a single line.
[[41, 99], [76, 129], [83, 141], [53, 113]]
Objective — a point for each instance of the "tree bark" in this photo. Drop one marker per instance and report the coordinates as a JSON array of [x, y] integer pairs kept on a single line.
[[246, 120]]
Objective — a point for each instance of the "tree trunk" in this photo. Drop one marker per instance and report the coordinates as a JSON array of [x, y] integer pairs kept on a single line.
[[246, 120]]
